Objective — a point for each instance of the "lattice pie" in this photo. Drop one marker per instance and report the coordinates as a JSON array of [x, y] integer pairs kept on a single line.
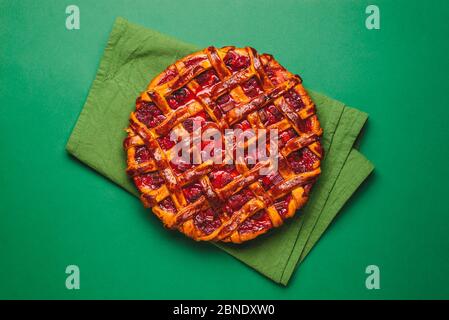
[[227, 88]]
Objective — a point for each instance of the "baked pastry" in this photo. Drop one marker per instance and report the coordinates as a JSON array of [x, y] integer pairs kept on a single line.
[[227, 88]]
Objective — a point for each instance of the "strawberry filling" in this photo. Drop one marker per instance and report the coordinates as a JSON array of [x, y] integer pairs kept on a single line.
[[236, 201], [270, 180], [294, 100], [198, 121], [217, 112], [142, 154], [253, 156], [207, 221], [148, 113], [258, 222], [281, 205], [165, 142], [222, 177], [252, 88], [244, 125], [225, 102], [275, 74], [179, 98], [170, 74], [285, 136], [180, 166], [270, 115], [194, 61], [167, 205], [240, 138], [150, 180], [214, 150], [302, 160], [207, 78], [235, 62], [305, 125], [193, 192]]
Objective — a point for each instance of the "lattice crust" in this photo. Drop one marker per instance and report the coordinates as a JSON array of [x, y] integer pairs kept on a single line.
[[224, 88]]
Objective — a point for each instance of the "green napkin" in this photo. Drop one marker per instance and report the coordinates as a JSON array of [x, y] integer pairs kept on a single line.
[[341, 126], [132, 57]]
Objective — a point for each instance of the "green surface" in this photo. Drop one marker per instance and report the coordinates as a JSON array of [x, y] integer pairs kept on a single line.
[[54, 212], [135, 54]]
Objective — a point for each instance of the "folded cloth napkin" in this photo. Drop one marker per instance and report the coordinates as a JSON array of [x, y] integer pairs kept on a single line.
[[133, 56]]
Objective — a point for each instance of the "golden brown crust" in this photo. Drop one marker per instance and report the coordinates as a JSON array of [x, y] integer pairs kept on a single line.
[[246, 205]]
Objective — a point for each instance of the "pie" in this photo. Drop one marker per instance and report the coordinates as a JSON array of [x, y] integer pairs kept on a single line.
[[227, 88]]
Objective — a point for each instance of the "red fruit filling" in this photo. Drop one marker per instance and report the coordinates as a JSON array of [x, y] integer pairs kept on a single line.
[[149, 114], [214, 151], [150, 180], [244, 125], [253, 156], [222, 177], [252, 88], [193, 192], [207, 78], [236, 201], [285, 136], [165, 142], [142, 154], [217, 112], [302, 160], [207, 221], [294, 100], [179, 98], [240, 138], [235, 62], [305, 125], [270, 115], [198, 120], [225, 102], [169, 75], [281, 205], [270, 180], [167, 205], [274, 74], [257, 222], [194, 61], [180, 166]]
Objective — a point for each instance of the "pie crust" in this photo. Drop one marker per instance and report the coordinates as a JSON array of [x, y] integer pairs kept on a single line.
[[227, 88]]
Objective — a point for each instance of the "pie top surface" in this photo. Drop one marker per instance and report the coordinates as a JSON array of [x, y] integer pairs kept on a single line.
[[233, 194]]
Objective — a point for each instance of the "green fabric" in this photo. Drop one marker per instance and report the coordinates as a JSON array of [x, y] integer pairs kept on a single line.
[[352, 175], [133, 56], [355, 170], [341, 127], [343, 139]]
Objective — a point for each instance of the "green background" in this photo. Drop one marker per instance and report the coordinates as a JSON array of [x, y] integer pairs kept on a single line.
[[54, 211]]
